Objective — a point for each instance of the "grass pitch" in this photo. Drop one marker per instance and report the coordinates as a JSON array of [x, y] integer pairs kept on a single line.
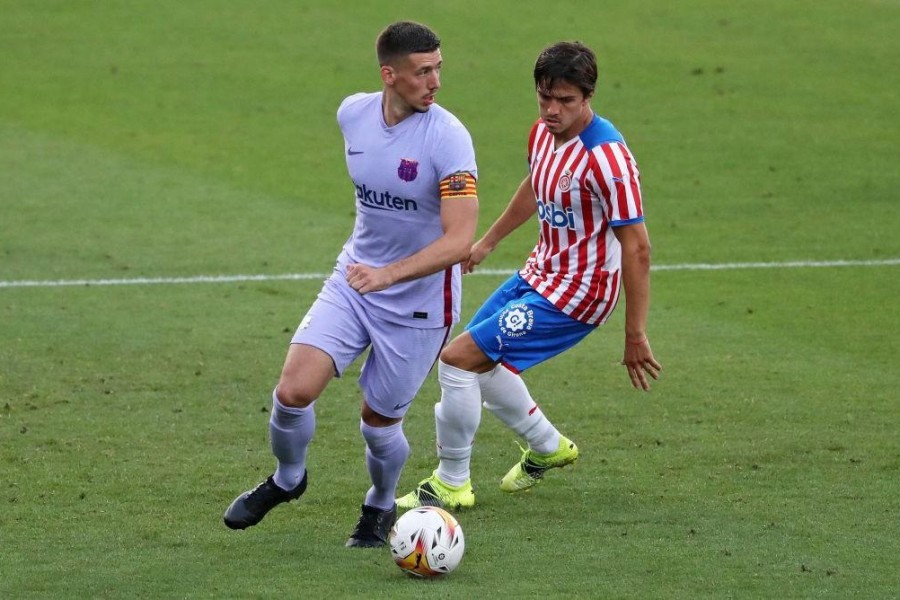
[[198, 139]]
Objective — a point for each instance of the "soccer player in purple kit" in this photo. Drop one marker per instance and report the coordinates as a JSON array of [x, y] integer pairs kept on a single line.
[[395, 289]]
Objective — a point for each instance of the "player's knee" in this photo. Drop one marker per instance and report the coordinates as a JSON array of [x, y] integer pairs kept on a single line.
[[453, 355], [375, 419], [294, 395], [464, 354]]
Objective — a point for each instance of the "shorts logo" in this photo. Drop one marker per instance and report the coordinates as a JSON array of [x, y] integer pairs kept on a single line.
[[408, 169], [565, 182], [516, 321]]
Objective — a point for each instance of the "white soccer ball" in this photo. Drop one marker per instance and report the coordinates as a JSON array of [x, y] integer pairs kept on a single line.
[[427, 541]]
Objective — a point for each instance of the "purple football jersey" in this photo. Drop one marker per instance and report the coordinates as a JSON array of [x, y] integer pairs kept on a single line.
[[396, 172]]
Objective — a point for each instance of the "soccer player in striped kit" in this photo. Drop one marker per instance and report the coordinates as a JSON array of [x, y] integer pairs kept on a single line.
[[584, 188], [395, 289]]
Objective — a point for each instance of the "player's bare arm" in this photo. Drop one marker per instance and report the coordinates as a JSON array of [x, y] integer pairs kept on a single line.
[[638, 356], [459, 218], [520, 209]]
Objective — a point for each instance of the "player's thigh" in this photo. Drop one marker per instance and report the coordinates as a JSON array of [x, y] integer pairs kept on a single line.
[[331, 335], [510, 289], [399, 360], [526, 331]]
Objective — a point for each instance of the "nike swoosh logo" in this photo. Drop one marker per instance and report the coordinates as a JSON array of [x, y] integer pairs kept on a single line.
[[351, 152], [399, 406]]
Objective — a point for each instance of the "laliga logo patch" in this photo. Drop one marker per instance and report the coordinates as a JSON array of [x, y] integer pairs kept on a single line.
[[408, 169], [517, 320], [565, 182]]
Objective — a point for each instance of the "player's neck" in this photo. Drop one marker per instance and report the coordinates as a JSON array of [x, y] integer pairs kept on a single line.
[[575, 130], [394, 109]]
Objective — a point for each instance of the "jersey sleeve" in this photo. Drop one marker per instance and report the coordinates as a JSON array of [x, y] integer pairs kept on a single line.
[[532, 136], [455, 153], [618, 179], [343, 111]]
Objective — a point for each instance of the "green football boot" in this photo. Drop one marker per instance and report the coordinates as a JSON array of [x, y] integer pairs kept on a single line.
[[434, 492], [529, 471]]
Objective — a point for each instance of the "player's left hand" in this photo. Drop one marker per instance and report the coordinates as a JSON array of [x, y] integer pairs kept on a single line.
[[478, 253], [640, 362], [365, 279]]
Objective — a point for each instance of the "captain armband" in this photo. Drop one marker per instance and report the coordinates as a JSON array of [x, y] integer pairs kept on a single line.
[[459, 185]]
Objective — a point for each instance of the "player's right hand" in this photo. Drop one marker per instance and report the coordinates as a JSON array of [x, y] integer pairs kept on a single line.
[[365, 279]]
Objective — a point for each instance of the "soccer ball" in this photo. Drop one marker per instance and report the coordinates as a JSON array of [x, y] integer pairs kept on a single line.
[[427, 541]]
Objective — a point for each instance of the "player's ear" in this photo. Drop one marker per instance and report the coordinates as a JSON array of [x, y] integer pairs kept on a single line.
[[387, 74]]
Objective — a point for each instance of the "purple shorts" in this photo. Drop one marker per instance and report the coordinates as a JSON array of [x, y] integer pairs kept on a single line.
[[399, 359]]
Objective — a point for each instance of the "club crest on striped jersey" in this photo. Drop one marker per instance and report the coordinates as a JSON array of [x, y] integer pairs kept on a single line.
[[408, 169], [516, 320], [565, 181]]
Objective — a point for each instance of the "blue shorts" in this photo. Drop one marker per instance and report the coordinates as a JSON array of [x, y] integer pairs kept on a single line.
[[519, 328]]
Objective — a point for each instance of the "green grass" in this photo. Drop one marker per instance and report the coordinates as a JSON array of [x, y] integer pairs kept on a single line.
[[185, 139]]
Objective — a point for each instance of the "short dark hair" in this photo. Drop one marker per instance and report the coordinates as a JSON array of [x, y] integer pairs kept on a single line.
[[572, 62], [404, 38]]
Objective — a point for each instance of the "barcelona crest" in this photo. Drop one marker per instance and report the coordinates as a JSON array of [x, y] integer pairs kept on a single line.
[[457, 182], [408, 169]]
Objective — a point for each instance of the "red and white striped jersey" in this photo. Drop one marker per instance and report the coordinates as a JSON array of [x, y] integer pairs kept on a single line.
[[583, 189]]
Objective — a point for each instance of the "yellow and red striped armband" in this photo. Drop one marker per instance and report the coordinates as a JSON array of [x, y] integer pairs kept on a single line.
[[458, 185]]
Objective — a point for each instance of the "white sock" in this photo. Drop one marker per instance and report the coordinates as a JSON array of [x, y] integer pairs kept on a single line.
[[290, 431], [506, 396], [386, 453], [456, 419]]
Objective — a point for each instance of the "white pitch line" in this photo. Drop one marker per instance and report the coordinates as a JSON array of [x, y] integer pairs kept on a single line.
[[160, 280], [792, 264], [31, 283]]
